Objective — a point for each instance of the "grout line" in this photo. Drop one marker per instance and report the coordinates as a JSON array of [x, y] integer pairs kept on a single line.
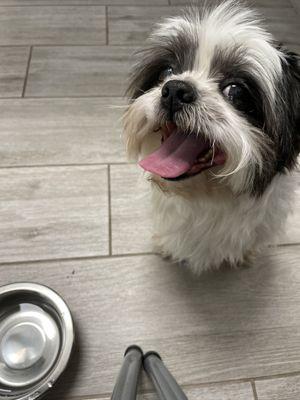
[[295, 7], [12, 98], [27, 71], [133, 45], [185, 387], [65, 165], [124, 255], [287, 244], [141, 6], [109, 210], [72, 259], [96, 96], [52, 5], [275, 376], [106, 25], [14, 45], [254, 390], [121, 4], [104, 97]]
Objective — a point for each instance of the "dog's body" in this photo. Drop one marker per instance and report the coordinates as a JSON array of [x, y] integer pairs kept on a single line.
[[207, 232], [215, 121]]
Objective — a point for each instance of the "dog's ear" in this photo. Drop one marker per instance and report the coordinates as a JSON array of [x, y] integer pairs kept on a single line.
[[293, 80], [147, 64], [290, 102], [293, 63], [136, 77], [150, 62]]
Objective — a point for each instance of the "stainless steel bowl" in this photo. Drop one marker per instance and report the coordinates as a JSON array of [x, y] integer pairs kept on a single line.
[[36, 340]]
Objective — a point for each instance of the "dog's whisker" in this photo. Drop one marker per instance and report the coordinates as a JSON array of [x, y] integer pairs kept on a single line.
[[213, 154]]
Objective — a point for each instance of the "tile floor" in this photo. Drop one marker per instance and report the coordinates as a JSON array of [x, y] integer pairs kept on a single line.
[[73, 214]]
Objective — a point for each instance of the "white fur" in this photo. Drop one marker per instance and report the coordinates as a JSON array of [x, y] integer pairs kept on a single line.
[[205, 230]]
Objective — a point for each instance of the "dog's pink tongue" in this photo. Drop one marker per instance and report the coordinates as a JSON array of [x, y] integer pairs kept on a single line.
[[175, 156]]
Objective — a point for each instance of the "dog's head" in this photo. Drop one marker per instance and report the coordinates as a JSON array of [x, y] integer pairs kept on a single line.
[[214, 101]]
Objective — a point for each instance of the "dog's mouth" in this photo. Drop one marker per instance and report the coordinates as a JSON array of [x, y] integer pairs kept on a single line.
[[182, 155]]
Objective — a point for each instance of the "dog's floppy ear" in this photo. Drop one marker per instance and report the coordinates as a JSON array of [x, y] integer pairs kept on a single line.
[[137, 76], [294, 62], [293, 68], [293, 75], [144, 71], [288, 106]]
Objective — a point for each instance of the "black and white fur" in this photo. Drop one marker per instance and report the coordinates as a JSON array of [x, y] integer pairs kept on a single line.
[[227, 212]]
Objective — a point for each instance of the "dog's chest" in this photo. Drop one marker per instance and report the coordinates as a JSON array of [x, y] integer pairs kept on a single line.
[[210, 232]]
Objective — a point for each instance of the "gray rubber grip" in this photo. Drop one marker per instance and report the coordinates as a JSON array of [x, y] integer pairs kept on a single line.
[[127, 382], [165, 385]]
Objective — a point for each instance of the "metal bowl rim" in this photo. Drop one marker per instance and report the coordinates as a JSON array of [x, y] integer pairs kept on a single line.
[[60, 306]]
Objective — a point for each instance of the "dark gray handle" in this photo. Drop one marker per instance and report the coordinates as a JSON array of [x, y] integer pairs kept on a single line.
[[165, 385], [126, 385]]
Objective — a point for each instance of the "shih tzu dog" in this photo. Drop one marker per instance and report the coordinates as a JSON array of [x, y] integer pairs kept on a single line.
[[214, 119]]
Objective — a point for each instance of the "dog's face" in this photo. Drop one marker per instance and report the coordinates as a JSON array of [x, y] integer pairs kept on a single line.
[[214, 102]]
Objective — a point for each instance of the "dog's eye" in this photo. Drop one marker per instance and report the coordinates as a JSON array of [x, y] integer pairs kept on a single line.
[[239, 97], [233, 92], [165, 73]]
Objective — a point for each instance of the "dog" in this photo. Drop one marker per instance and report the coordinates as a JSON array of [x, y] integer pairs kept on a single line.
[[214, 120]]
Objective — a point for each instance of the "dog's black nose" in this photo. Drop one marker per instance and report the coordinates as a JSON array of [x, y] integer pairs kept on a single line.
[[175, 94]]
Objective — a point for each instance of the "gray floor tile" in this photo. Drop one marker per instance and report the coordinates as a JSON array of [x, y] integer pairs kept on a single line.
[[294, 47], [293, 223], [13, 64], [283, 23], [53, 213], [79, 71], [61, 131], [130, 205], [296, 4], [239, 391], [132, 25], [279, 389], [235, 391], [225, 325], [52, 25], [285, 32]]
